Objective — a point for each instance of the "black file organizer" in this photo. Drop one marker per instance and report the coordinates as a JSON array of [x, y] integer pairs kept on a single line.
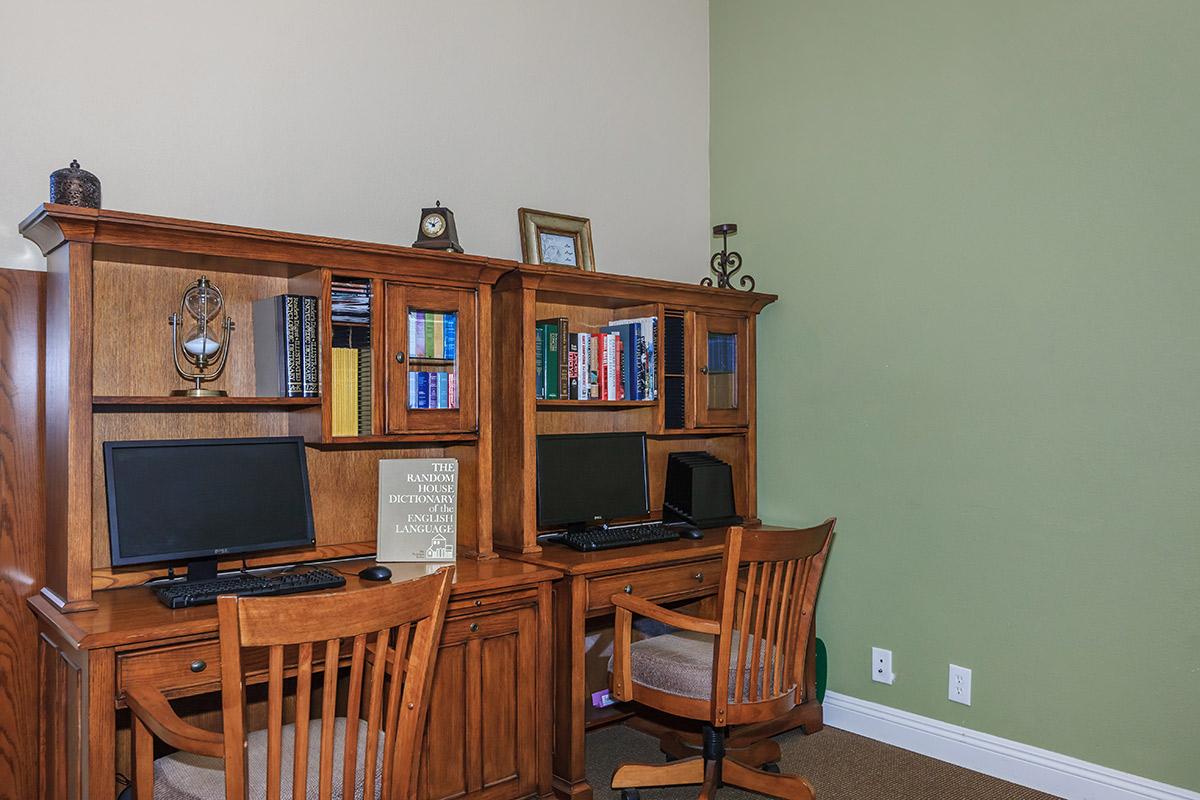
[[699, 491]]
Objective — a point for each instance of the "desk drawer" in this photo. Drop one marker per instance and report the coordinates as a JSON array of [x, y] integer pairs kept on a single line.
[[176, 669], [700, 577]]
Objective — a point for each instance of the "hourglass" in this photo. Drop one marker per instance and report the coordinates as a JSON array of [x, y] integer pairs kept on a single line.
[[202, 301]]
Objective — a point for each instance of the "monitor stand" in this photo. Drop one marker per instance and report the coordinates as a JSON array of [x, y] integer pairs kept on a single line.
[[204, 569]]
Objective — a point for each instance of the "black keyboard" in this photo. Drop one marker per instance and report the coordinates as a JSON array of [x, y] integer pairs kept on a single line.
[[607, 538], [198, 593]]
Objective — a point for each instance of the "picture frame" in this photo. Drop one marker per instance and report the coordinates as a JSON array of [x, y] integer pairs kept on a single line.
[[559, 240]]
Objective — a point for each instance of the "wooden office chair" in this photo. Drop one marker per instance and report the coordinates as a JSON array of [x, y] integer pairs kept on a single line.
[[744, 667], [387, 635]]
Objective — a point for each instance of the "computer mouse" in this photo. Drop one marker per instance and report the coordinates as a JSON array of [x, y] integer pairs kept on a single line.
[[690, 533], [376, 573]]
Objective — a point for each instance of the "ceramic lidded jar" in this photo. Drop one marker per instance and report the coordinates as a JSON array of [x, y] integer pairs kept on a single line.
[[73, 186]]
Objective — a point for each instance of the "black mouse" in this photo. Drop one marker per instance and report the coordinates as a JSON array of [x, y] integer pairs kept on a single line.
[[690, 533], [376, 573]]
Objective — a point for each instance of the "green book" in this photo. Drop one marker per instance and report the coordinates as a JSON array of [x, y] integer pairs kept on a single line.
[[429, 337], [540, 360], [552, 357]]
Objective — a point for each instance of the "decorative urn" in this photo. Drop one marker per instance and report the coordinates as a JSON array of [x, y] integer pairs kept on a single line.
[[73, 186]]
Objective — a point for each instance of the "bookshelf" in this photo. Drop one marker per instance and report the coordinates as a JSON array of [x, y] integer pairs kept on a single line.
[[705, 398], [114, 277]]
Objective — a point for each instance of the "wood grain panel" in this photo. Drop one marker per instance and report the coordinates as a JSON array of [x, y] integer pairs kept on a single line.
[[22, 523], [132, 304]]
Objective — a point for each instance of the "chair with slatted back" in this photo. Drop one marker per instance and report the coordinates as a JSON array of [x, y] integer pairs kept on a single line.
[[743, 668], [363, 738]]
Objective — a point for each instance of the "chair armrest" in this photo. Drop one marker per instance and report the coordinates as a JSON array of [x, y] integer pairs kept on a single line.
[[151, 707], [628, 605], [645, 608]]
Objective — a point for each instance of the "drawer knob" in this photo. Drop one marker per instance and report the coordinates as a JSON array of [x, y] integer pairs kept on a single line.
[[474, 627], [400, 357], [478, 603], [704, 370], [699, 576], [628, 588], [199, 665]]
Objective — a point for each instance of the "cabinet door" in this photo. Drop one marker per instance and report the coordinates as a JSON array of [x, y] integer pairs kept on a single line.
[[481, 738], [432, 379], [723, 377]]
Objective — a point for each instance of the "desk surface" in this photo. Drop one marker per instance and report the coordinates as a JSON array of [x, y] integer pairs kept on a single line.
[[134, 615], [573, 562]]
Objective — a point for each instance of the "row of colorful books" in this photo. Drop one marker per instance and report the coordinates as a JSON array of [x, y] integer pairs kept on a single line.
[[618, 362], [432, 334], [433, 390], [286, 335], [351, 395]]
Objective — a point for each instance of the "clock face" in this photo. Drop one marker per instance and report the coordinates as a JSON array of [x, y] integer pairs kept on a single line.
[[557, 248], [433, 225]]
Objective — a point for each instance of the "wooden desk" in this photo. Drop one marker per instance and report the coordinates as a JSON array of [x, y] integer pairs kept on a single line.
[[686, 569], [489, 732]]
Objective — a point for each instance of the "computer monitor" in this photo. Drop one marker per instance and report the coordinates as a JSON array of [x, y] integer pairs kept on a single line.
[[197, 500], [585, 478]]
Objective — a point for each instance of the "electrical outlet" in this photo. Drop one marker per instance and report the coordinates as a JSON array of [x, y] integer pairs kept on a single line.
[[960, 684], [881, 666]]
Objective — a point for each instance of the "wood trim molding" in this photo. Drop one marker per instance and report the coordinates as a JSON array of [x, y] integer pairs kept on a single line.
[[1019, 763]]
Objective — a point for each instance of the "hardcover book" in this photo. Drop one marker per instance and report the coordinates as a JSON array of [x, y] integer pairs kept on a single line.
[[418, 509]]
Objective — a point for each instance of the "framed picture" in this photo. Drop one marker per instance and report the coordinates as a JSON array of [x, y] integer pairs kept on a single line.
[[556, 239]]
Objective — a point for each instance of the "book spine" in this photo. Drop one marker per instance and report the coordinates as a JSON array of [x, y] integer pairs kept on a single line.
[[594, 357], [551, 361], [573, 367], [654, 358], [412, 390], [443, 389], [564, 380], [416, 347], [295, 346], [585, 343], [540, 360], [609, 382], [439, 336], [422, 390], [623, 362], [430, 326], [451, 336], [643, 374], [452, 389], [364, 392], [310, 358], [433, 390], [412, 333]]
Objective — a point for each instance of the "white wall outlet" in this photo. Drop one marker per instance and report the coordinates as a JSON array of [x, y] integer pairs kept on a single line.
[[881, 666], [960, 684]]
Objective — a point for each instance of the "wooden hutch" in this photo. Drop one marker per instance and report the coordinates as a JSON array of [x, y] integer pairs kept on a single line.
[[112, 280]]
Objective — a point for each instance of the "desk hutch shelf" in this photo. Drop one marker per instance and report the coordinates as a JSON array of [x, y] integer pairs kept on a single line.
[[113, 279], [705, 374]]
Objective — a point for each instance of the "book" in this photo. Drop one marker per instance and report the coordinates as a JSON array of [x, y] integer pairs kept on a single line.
[[552, 358], [573, 366], [364, 391], [540, 361], [563, 379], [345, 391], [416, 347], [443, 382], [626, 365], [594, 357], [310, 355], [451, 337], [278, 346], [431, 324], [645, 340], [418, 509], [452, 389], [422, 390]]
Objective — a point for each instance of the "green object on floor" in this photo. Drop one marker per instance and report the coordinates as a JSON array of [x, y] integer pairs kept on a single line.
[[822, 670]]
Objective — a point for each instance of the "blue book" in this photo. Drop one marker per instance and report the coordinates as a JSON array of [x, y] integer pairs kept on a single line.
[[412, 390], [422, 390], [433, 390], [628, 333], [443, 390], [450, 335]]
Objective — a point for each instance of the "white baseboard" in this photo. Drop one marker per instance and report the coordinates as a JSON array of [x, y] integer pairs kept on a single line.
[[1018, 763]]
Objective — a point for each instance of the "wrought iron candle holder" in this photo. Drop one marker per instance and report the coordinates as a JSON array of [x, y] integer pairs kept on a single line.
[[725, 263]]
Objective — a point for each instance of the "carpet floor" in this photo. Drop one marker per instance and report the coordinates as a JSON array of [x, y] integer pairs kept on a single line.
[[839, 765]]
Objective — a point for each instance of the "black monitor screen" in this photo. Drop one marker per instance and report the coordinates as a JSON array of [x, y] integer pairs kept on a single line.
[[198, 498], [585, 477]]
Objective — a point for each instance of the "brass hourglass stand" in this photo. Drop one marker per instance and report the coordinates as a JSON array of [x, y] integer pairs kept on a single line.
[[204, 303]]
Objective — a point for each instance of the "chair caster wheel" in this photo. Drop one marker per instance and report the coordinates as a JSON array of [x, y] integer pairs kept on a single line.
[[772, 767], [631, 794], [669, 758]]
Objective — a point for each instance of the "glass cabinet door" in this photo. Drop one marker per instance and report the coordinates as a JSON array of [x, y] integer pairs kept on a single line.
[[431, 341], [722, 390]]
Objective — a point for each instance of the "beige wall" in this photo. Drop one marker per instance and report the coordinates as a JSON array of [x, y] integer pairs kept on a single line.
[[345, 119]]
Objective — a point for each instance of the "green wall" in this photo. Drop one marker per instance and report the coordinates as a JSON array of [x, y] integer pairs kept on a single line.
[[983, 220]]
